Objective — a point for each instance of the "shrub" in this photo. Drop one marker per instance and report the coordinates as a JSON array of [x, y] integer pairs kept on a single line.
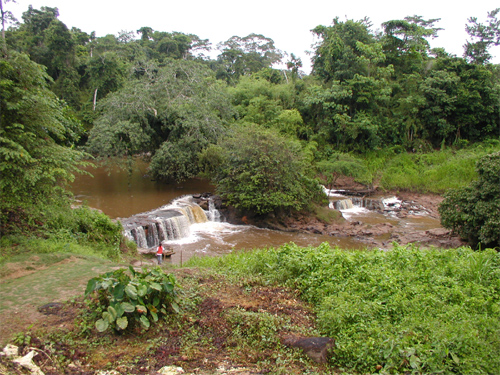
[[401, 311], [474, 211], [140, 298]]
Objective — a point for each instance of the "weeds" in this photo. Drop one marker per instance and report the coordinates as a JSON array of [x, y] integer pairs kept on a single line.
[[124, 300], [405, 310]]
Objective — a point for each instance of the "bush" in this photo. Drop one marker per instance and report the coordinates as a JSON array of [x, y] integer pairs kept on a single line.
[[140, 298], [474, 211], [262, 171]]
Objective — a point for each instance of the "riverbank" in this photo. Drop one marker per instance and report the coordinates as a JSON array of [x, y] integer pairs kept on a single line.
[[375, 233]]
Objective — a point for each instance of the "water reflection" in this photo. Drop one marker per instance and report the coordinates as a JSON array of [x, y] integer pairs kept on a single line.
[[119, 192]]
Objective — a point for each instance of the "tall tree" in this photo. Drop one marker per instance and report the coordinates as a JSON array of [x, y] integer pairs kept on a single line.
[[35, 132], [336, 53], [159, 112], [406, 44], [7, 18], [246, 55], [483, 37]]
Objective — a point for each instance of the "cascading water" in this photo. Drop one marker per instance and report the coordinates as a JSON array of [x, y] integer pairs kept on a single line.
[[213, 214], [167, 223], [343, 204]]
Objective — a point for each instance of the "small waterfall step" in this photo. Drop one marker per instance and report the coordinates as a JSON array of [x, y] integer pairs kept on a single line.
[[168, 223]]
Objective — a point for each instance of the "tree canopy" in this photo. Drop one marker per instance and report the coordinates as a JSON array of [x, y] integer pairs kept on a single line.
[[160, 94], [474, 211], [36, 135]]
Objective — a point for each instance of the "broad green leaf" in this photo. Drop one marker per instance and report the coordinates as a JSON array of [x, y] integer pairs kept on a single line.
[[119, 309], [141, 309], [145, 321], [175, 307], [112, 314], [106, 316], [154, 315], [118, 292], [105, 284], [155, 286], [168, 287], [132, 271], [122, 322], [142, 290], [90, 286], [131, 291], [127, 307], [156, 301], [102, 325]]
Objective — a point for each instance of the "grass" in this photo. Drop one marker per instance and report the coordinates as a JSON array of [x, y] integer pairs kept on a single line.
[[327, 215], [222, 323], [430, 172], [54, 281]]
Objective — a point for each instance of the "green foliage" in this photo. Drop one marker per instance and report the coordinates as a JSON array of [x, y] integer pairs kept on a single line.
[[257, 329], [407, 310], [483, 37], [57, 227], [262, 171], [35, 162], [474, 211], [172, 111], [245, 55], [340, 165], [127, 300], [433, 172]]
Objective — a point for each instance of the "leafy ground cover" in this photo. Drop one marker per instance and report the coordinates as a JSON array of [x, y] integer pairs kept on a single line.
[[405, 310], [397, 170]]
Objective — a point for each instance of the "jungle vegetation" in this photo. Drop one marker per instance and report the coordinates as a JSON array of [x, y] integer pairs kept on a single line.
[[373, 100]]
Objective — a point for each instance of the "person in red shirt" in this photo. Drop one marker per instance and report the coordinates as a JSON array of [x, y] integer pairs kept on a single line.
[[159, 253]]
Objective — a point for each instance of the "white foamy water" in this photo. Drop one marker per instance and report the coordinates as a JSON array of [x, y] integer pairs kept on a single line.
[[332, 193], [354, 211], [210, 230], [392, 202]]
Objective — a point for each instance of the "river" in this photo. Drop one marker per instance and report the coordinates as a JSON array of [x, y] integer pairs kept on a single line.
[[122, 193]]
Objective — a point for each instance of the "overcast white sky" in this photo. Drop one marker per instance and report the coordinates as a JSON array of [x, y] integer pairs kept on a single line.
[[288, 23]]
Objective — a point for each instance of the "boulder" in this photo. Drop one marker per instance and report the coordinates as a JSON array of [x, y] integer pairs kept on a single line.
[[315, 347]]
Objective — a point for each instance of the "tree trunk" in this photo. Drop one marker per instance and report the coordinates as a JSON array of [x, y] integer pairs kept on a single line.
[[95, 98]]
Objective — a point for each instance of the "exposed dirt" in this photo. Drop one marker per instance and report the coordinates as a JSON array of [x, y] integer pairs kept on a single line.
[[203, 339]]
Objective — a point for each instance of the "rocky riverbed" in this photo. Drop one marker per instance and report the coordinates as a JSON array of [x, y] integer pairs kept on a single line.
[[380, 234]]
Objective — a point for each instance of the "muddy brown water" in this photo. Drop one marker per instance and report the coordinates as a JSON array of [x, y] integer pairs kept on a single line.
[[121, 193]]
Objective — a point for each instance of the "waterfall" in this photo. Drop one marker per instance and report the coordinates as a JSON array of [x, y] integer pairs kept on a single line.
[[167, 223], [139, 235], [343, 204], [213, 213]]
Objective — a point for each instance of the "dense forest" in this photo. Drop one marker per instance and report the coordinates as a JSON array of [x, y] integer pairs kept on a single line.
[[67, 95]]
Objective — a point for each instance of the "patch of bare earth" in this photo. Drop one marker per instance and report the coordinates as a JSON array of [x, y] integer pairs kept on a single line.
[[201, 339]]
